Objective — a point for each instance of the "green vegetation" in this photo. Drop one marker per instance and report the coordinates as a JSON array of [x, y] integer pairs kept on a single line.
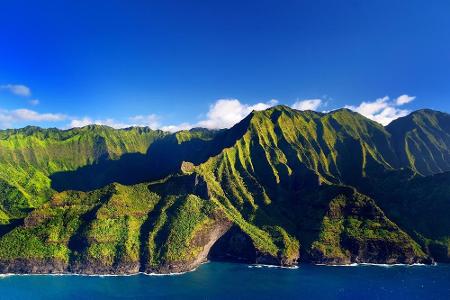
[[30, 155], [291, 182], [113, 236], [186, 220], [355, 229]]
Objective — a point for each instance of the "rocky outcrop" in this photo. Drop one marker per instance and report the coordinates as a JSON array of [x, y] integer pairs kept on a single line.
[[373, 251], [34, 266], [92, 267], [384, 252]]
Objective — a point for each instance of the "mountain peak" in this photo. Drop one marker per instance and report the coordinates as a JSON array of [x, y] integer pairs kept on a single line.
[[425, 117]]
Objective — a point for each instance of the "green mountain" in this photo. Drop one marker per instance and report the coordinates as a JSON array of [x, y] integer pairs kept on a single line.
[[280, 187], [422, 141]]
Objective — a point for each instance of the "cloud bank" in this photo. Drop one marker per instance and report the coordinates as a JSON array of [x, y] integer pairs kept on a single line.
[[8, 118], [383, 110], [223, 113], [151, 121]]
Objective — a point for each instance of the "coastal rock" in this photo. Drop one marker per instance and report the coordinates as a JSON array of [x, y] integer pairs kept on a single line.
[[33, 266], [93, 267]]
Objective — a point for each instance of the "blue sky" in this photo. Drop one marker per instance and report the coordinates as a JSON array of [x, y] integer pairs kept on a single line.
[[208, 63]]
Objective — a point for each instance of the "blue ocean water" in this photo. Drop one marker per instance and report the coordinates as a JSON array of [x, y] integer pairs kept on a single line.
[[238, 281]]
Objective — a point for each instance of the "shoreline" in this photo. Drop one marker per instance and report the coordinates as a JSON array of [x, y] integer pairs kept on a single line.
[[96, 275], [250, 266], [377, 265]]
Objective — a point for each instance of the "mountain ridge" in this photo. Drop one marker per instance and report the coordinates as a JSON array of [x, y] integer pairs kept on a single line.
[[282, 185]]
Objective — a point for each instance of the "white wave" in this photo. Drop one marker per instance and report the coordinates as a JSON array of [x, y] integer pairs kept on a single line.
[[182, 273], [272, 266], [376, 265], [394, 265], [338, 265], [168, 274], [94, 275]]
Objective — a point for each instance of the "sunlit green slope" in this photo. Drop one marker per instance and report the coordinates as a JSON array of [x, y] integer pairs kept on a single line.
[[30, 155]]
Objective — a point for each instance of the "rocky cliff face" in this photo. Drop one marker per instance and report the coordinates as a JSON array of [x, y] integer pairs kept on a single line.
[[34, 266]]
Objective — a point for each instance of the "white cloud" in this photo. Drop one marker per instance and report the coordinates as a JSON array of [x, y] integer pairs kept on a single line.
[[404, 99], [175, 128], [370, 108], [382, 110], [224, 113], [24, 114], [88, 121], [151, 121], [81, 122], [9, 117], [17, 89], [34, 102], [307, 104]]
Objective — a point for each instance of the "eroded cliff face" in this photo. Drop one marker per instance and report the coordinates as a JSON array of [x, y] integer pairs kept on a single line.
[[33, 266]]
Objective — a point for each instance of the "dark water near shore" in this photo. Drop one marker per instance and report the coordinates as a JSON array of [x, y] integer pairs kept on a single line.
[[236, 281]]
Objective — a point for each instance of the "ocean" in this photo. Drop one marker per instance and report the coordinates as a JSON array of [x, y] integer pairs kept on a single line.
[[238, 281]]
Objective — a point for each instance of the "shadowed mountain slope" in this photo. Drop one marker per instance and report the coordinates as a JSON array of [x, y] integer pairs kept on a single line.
[[422, 141]]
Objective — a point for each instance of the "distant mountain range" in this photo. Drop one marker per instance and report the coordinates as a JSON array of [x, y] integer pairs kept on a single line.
[[280, 187]]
